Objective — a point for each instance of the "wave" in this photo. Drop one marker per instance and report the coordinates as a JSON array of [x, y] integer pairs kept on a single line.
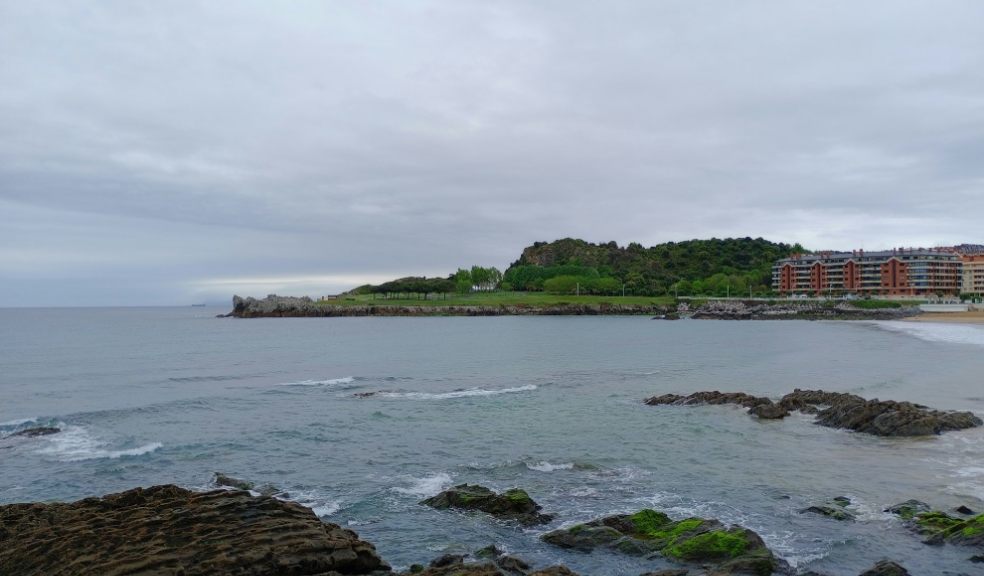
[[931, 332], [321, 506], [427, 486], [328, 382], [13, 424], [544, 466], [75, 444], [456, 393]]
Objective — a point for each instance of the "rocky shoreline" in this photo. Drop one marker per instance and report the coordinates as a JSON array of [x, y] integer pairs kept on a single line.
[[171, 530], [274, 306]]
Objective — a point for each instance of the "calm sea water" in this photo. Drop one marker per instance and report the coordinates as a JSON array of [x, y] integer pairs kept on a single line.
[[553, 405]]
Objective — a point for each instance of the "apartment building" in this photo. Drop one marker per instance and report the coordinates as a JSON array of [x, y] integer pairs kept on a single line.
[[972, 278], [901, 272]]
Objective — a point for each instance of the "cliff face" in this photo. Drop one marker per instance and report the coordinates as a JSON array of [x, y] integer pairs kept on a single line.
[[170, 530]]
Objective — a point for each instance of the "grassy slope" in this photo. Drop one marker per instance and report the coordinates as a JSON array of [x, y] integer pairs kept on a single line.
[[499, 299]]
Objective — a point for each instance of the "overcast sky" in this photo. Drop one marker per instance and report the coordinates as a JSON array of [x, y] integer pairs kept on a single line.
[[177, 152]]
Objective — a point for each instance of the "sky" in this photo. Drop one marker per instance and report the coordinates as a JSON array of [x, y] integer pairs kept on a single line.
[[168, 153]]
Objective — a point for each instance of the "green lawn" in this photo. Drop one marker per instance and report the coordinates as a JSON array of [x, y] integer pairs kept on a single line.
[[497, 299]]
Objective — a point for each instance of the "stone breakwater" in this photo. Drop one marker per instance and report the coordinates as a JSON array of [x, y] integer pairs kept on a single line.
[[290, 307], [171, 530], [837, 410], [274, 306], [791, 310]]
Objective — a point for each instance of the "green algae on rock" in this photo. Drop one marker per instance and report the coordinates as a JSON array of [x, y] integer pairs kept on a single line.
[[733, 549], [514, 504], [939, 527]]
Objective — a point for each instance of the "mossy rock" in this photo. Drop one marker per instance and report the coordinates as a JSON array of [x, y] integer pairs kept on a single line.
[[696, 540], [514, 504], [940, 527], [835, 512]]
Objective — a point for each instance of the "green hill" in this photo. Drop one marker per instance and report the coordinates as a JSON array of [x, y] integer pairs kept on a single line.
[[715, 266]]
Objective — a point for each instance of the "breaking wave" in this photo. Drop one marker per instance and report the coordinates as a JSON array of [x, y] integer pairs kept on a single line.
[[932, 332], [426, 486], [75, 444], [328, 382], [456, 393]]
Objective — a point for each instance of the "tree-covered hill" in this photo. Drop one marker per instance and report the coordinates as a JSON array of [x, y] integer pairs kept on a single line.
[[691, 267]]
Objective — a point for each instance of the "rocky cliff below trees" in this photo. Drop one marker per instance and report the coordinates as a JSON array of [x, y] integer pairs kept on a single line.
[[274, 306]]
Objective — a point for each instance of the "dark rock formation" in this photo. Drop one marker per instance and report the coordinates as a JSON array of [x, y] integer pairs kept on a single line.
[[886, 568], [230, 482], [733, 550], [514, 504], [963, 510], [37, 431], [170, 530], [487, 569], [939, 527], [757, 310], [839, 410]]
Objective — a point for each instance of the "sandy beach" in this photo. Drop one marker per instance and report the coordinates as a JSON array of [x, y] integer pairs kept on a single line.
[[972, 317]]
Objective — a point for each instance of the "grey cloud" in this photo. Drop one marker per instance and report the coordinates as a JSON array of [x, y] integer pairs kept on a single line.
[[149, 148]]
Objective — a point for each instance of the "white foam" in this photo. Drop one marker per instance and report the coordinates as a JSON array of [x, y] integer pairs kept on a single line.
[[457, 393], [75, 444], [317, 503], [426, 486], [544, 466], [328, 382], [938, 332], [16, 423]]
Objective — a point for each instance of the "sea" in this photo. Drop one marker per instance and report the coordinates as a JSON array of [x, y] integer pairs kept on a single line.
[[553, 405]]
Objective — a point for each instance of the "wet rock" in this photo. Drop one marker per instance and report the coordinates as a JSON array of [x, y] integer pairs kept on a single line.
[[842, 501], [908, 509], [833, 512], [977, 559], [447, 560], [940, 527], [512, 564], [554, 571], [713, 397], [730, 549], [489, 551], [668, 572], [878, 417], [170, 530], [963, 510], [838, 410], [230, 482], [886, 568], [514, 504], [769, 411], [37, 431]]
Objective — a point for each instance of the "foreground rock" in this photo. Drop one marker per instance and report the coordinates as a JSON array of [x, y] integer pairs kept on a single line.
[[730, 550], [500, 565], [838, 410], [886, 568], [170, 530], [939, 527], [514, 504]]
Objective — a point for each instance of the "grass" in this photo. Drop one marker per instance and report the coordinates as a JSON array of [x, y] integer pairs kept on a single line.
[[535, 299]]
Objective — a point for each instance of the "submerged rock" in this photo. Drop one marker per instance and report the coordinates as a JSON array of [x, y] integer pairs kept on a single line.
[[171, 530], [834, 512], [838, 410], [886, 568], [487, 569], [732, 550], [514, 504], [37, 431]]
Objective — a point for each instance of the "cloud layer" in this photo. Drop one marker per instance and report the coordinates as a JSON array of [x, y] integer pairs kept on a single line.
[[160, 153]]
